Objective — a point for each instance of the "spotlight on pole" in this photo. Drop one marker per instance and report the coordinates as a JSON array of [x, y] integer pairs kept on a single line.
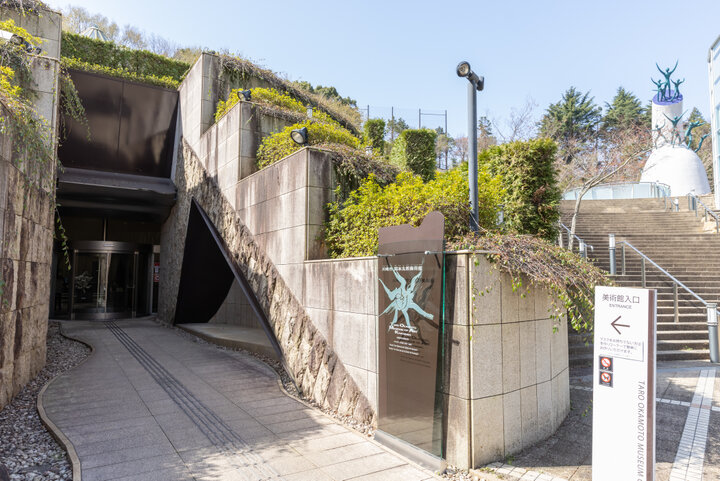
[[244, 95], [300, 136], [475, 83], [463, 70]]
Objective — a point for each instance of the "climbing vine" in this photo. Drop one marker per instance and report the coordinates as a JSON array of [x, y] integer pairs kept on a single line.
[[34, 152], [571, 278], [24, 6]]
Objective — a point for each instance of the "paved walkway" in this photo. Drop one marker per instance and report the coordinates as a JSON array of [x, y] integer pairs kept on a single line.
[[150, 404], [687, 430]]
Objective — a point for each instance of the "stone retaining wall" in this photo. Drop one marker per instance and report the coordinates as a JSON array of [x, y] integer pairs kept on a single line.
[[310, 359], [26, 223], [506, 381]]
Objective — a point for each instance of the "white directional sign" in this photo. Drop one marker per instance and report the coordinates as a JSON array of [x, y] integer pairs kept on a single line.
[[624, 384]]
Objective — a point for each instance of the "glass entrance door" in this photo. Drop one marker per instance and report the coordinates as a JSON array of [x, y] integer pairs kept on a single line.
[[121, 283], [90, 283], [106, 278]]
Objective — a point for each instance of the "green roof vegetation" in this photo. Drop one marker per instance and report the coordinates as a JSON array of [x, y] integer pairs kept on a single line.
[[240, 70], [109, 58]]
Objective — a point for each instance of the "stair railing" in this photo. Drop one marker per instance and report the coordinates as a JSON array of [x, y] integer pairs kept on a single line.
[[711, 308], [582, 245], [693, 201]]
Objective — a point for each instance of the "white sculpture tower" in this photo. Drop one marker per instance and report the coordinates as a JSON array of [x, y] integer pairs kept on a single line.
[[672, 161]]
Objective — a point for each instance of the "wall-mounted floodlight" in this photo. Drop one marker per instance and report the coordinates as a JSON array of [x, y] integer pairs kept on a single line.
[[309, 111], [6, 36], [244, 95], [300, 136], [476, 83]]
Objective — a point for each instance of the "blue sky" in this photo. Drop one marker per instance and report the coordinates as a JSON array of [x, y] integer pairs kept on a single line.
[[404, 53]]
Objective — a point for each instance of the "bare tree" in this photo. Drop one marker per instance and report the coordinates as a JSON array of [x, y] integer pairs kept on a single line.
[[459, 150], [621, 154], [77, 19], [133, 37], [520, 126], [188, 54], [161, 45]]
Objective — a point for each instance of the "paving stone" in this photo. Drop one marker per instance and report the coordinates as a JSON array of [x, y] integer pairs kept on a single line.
[[183, 410]]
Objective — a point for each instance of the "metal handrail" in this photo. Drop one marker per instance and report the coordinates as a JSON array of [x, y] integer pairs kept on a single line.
[[692, 205], [710, 307], [657, 190], [580, 241], [673, 278]]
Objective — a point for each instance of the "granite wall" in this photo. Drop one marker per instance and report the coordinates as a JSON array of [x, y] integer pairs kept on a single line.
[[309, 358], [506, 381], [26, 222]]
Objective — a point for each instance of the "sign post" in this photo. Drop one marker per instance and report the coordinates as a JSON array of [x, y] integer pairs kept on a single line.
[[410, 268], [624, 384]]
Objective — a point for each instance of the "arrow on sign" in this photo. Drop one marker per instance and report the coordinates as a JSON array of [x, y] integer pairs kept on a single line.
[[615, 325]]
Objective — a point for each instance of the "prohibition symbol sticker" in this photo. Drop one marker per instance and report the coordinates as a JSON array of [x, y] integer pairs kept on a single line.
[[606, 379], [606, 363]]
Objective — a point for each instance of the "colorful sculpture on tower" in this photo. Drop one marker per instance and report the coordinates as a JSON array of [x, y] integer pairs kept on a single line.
[[673, 161]]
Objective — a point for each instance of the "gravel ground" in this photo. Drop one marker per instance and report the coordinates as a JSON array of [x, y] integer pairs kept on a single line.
[[27, 450]]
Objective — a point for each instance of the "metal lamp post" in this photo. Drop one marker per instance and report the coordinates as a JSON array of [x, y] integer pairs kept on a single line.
[[611, 249], [475, 83]]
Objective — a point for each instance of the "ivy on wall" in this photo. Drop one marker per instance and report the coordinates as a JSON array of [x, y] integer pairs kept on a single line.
[[34, 151], [27, 130], [571, 278]]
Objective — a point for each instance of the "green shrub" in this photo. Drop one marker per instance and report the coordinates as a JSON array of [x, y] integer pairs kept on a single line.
[[238, 71], [415, 150], [279, 145], [109, 55], [270, 97], [353, 226], [529, 178], [374, 131], [167, 82]]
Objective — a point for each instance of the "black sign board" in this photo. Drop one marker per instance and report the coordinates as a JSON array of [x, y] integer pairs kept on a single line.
[[410, 271]]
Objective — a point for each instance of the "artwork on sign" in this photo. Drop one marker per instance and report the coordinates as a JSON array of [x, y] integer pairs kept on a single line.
[[410, 273]]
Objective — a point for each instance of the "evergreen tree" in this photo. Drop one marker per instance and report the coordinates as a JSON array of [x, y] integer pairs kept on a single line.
[[625, 111], [646, 116], [572, 122], [396, 126], [485, 135]]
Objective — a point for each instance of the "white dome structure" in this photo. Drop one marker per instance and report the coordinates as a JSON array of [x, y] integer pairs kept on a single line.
[[678, 167], [673, 162]]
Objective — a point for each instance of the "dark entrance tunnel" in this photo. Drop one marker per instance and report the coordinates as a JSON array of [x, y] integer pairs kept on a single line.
[[208, 271]]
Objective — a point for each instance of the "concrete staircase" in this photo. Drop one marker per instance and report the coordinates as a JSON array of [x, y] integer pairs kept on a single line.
[[679, 242]]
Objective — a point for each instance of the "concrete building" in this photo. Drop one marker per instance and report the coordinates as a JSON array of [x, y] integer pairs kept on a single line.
[[714, 79], [166, 212]]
